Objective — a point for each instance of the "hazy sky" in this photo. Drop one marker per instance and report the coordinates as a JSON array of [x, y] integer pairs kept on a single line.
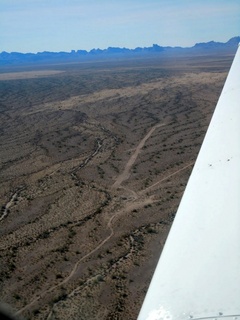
[[62, 25]]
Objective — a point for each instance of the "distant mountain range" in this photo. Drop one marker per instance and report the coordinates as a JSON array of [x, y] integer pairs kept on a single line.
[[15, 58]]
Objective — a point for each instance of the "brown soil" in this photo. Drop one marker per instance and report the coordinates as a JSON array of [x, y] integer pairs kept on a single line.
[[94, 161]]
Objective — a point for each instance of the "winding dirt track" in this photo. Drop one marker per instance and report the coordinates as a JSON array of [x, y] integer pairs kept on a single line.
[[109, 225], [128, 207]]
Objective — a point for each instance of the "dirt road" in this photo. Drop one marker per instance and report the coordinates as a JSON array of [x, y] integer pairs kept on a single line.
[[126, 172]]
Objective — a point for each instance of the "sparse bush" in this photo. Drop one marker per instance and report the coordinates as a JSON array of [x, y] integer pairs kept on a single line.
[[16, 296]]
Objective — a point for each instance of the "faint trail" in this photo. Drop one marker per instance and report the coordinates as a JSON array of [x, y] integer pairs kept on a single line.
[[109, 225], [165, 178], [126, 172], [128, 207]]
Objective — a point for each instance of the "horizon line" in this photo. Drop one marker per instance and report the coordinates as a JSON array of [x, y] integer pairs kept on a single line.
[[122, 48]]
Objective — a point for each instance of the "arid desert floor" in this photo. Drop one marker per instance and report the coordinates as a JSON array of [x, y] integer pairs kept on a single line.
[[94, 160]]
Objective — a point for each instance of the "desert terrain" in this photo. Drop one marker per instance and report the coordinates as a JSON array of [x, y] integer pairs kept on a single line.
[[94, 160]]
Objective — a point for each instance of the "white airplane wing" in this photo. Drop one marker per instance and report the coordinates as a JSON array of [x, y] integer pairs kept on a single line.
[[198, 274]]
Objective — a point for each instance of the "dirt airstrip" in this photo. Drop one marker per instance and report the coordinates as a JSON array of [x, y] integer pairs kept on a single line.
[[94, 161]]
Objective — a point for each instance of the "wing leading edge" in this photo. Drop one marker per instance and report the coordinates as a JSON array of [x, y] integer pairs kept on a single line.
[[198, 274]]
